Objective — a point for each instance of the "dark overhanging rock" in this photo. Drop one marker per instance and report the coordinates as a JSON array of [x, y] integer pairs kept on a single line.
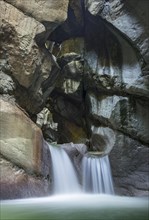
[[72, 27], [94, 20], [121, 137], [37, 95]]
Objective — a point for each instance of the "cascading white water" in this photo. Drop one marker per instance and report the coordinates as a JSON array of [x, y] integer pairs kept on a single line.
[[79, 206], [97, 175], [64, 176]]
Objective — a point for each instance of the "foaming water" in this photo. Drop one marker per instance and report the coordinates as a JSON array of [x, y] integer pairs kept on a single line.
[[64, 176], [76, 207], [97, 176], [81, 206]]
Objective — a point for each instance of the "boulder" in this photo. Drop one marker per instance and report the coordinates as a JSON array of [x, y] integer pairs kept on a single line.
[[18, 45], [50, 11], [121, 113], [22, 141], [130, 166], [34, 68], [16, 183]]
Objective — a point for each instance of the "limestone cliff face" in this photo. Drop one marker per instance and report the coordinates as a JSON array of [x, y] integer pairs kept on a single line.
[[81, 72]]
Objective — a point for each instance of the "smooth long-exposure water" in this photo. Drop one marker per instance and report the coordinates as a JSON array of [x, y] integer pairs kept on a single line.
[[97, 176], [82, 206], [64, 176], [76, 207]]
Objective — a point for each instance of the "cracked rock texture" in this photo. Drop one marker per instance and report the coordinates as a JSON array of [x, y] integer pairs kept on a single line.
[[80, 71], [20, 184]]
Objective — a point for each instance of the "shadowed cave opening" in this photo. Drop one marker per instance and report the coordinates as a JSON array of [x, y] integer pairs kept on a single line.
[[90, 55]]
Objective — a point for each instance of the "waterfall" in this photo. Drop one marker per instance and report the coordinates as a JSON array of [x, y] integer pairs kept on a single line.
[[97, 175], [64, 175]]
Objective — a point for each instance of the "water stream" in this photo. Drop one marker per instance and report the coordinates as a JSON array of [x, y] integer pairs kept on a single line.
[[71, 204], [64, 175], [97, 176]]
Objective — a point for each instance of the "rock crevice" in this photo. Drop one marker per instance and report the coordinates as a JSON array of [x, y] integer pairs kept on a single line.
[[80, 71]]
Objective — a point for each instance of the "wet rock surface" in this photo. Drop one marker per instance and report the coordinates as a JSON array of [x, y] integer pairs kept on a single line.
[[80, 71], [16, 183]]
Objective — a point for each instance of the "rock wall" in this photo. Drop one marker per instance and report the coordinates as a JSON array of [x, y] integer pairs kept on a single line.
[[80, 69], [25, 167], [104, 89], [27, 76]]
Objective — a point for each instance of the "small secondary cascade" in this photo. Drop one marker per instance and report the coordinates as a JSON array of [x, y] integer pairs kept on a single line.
[[97, 176], [64, 175]]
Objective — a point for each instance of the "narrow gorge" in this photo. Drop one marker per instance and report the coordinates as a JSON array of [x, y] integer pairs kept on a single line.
[[74, 73]]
